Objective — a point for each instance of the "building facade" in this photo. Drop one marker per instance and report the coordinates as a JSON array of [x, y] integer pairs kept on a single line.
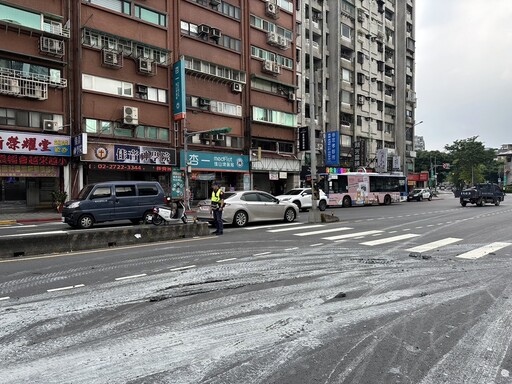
[[96, 90]]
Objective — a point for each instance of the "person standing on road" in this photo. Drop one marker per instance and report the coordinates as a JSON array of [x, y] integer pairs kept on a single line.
[[217, 206]]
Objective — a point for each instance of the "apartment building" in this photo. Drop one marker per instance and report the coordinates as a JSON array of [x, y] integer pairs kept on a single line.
[[97, 80], [363, 79], [34, 97]]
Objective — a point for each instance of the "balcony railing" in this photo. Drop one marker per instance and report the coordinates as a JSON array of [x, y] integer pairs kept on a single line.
[[21, 87], [27, 76]]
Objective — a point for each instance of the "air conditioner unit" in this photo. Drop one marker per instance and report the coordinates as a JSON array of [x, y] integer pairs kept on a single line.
[[360, 16], [112, 58], [50, 125], [360, 99], [276, 68], [38, 93], [204, 102], [236, 87], [203, 29], [52, 46], [10, 86], [130, 115], [145, 65], [282, 42], [142, 89], [215, 33], [272, 38], [219, 137], [291, 96], [268, 66], [272, 9]]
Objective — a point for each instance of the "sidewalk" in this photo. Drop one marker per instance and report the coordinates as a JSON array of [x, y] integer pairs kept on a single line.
[[16, 213]]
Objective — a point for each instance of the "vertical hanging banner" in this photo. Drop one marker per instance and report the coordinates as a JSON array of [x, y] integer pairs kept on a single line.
[[179, 92], [332, 148], [303, 139]]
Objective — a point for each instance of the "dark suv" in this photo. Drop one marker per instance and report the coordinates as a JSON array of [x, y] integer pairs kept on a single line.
[[481, 194]]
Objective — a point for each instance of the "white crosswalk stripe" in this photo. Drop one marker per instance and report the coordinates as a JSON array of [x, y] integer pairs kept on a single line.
[[349, 235], [312, 233], [434, 245], [294, 229], [483, 251], [390, 239]]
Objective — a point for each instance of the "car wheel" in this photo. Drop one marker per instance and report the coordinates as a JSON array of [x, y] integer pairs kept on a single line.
[[298, 204], [147, 217], [322, 205], [157, 220], [420, 198], [430, 198], [347, 202], [240, 219], [463, 203], [289, 215], [387, 200], [497, 202], [85, 221]]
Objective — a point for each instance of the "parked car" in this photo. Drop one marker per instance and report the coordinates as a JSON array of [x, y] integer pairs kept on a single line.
[[114, 200], [243, 207], [419, 194], [302, 198]]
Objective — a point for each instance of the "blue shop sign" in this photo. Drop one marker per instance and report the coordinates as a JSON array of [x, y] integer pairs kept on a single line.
[[215, 161]]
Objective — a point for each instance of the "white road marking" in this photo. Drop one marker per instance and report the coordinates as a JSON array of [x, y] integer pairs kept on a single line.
[[322, 231], [482, 251], [4, 298], [182, 268], [316, 245], [262, 253], [130, 277], [271, 226], [293, 229], [433, 245], [350, 235], [17, 225], [224, 260], [65, 288], [35, 233], [291, 249], [390, 239]]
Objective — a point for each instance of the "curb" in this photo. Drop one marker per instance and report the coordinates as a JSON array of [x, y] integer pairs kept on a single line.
[[38, 220], [7, 222]]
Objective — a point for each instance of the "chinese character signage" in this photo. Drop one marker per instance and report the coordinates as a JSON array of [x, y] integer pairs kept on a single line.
[[215, 161], [18, 143], [32, 160], [129, 154], [359, 152], [80, 144], [332, 148], [303, 139], [179, 93], [178, 183]]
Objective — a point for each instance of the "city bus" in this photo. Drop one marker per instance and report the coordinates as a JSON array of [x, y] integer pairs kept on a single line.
[[347, 189]]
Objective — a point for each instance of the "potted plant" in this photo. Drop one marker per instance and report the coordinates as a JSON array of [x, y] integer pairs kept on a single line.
[[59, 198]]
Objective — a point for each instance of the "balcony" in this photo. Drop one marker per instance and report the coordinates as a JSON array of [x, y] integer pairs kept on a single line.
[[27, 76], [21, 87]]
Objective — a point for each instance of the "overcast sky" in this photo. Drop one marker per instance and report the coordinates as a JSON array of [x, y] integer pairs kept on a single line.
[[464, 71]]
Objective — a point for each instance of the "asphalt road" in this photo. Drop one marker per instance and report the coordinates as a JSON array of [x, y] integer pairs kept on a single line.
[[417, 292]]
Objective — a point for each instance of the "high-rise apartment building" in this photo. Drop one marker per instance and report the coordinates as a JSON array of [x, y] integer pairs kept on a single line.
[[363, 79]]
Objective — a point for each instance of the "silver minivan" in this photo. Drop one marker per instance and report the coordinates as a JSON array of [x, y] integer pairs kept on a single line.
[[111, 201]]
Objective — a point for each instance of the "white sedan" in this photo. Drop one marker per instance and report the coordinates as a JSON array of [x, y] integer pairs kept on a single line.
[[302, 198]]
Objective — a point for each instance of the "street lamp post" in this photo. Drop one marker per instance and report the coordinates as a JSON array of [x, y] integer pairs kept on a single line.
[[186, 135], [404, 161]]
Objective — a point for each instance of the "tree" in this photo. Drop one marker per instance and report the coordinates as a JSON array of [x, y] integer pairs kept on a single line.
[[471, 161], [426, 161]]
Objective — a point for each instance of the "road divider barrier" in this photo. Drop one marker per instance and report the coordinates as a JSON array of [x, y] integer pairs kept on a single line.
[[95, 238]]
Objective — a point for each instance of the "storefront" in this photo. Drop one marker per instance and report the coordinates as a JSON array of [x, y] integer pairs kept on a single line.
[[276, 173], [32, 166], [116, 162], [415, 180], [231, 170]]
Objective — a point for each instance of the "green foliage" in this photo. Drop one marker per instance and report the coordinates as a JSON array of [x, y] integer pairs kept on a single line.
[[427, 160], [59, 197], [472, 163]]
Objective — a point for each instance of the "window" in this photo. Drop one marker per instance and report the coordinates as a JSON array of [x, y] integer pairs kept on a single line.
[[115, 5], [152, 133], [268, 26], [215, 70], [22, 118], [147, 190], [346, 75], [98, 126], [101, 193], [346, 32], [20, 17], [267, 55], [226, 108], [346, 141], [109, 86], [125, 190], [150, 16], [346, 97], [273, 117]]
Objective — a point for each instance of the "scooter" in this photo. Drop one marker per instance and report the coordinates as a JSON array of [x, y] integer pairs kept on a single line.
[[166, 215]]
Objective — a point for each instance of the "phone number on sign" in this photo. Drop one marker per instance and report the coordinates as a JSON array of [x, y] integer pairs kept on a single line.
[[131, 167]]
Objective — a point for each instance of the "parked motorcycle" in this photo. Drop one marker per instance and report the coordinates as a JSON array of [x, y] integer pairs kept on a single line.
[[168, 215]]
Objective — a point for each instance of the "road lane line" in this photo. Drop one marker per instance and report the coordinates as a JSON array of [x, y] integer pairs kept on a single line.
[[390, 239], [224, 260], [433, 245], [291, 249], [316, 245], [130, 277], [272, 226], [483, 251], [322, 231], [182, 268], [65, 288], [35, 233], [4, 298], [293, 229], [262, 253], [349, 235]]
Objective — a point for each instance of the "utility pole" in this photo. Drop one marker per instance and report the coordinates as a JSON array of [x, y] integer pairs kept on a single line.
[[313, 212]]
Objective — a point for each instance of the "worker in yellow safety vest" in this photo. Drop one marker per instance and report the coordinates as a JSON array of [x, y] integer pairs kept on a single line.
[[217, 207]]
